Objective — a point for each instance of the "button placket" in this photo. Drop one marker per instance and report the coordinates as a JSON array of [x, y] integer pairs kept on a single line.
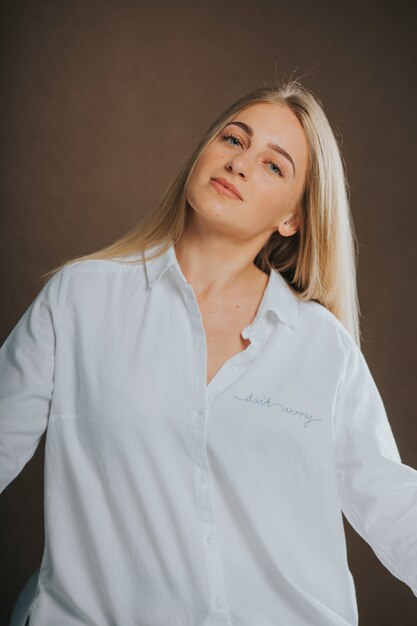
[[201, 400]]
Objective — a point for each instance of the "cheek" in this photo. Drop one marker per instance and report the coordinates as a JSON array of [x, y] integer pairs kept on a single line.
[[271, 199], [208, 165], [199, 171], [270, 205], [197, 183], [212, 156], [196, 177]]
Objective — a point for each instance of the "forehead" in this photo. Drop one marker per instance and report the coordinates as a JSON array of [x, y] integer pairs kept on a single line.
[[271, 118]]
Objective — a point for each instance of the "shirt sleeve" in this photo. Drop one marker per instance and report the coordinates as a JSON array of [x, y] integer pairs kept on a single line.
[[378, 491], [26, 379]]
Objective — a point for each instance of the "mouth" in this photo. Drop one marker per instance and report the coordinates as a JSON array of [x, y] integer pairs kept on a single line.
[[225, 188]]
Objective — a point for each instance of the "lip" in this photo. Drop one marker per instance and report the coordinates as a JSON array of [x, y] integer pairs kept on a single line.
[[226, 188]]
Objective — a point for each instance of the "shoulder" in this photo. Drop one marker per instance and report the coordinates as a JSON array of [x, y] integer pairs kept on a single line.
[[97, 271], [116, 264], [316, 319], [92, 280]]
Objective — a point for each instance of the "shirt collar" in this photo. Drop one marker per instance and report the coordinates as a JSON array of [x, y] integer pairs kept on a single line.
[[278, 296]]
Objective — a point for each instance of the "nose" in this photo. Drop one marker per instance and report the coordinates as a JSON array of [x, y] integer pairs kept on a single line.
[[238, 164]]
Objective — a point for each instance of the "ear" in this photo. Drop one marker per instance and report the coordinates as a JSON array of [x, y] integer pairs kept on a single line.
[[289, 226]]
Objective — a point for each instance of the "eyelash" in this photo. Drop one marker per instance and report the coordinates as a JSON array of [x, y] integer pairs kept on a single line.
[[227, 136]]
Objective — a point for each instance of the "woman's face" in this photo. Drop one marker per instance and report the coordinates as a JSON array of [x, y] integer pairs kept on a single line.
[[265, 178]]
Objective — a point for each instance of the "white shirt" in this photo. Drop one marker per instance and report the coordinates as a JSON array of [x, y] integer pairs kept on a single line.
[[170, 502]]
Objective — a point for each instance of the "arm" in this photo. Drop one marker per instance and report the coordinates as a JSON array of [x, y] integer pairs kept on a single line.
[[378, 491], [26, 379]]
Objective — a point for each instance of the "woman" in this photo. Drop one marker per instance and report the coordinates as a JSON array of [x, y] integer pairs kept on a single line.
[[209, 412]]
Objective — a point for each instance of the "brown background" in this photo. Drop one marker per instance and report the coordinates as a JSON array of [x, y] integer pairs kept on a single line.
[[100, 102]]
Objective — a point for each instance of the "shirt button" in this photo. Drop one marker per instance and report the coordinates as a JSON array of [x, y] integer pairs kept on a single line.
[[210, 538], [198, 416], [203, 478], [219, 603]]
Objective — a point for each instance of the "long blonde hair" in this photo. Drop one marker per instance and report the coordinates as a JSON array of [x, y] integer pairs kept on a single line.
[[319, 261]]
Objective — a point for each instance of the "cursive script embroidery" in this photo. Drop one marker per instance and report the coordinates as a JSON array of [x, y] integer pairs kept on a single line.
[[286, 409]]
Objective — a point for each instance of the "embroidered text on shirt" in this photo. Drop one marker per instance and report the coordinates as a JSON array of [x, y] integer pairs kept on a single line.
[[286, 409]]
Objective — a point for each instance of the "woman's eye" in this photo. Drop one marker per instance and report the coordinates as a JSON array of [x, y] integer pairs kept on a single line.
[[278, 170], [226, 137]]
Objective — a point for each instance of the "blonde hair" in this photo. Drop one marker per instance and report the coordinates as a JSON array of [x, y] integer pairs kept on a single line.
[[319, 261]]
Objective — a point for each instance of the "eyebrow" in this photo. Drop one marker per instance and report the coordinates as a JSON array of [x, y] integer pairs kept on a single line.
[[273, 146]]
